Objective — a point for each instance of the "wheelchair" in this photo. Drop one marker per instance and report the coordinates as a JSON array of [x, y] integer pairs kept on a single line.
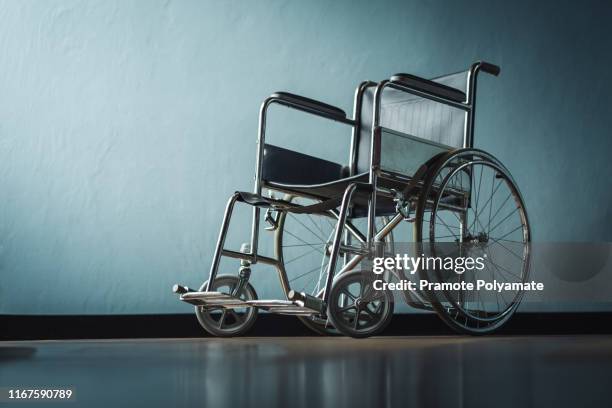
[[412, 161]]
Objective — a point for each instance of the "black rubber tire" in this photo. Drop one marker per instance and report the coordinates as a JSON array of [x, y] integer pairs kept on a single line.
[[209, 324], [334, 312]]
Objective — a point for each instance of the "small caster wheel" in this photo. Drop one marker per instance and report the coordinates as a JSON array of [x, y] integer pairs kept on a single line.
[[223, 322], [355, 308]]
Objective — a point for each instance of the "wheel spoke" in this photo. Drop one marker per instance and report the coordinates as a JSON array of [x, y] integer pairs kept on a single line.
[[301, 240], [509, 250], [478, 191], [488, 201], [448, 228], [303, 245], [370, 314], [349, 294], [504, 219], [491, 206], [237, 317], [505, 235], [347, 308], [499, 267], [317, 226], [307, 228], [302, 255], [222, 318], [316, 268], [500, 208]]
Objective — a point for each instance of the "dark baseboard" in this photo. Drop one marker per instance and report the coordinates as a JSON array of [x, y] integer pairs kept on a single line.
[[57, 327]]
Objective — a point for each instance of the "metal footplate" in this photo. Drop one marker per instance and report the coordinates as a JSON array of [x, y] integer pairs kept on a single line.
[[210, 299], [298, 304], [284, 307]]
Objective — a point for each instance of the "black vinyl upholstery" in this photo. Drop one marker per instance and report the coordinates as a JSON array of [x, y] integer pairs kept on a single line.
[[429, 86], [294, 172], [384, 205], [310, 105], [289, 167], [413, 115]]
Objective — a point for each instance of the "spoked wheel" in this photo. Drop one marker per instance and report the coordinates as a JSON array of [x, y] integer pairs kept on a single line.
[[302, 243], [471, 207], [223, 322], [355, 308]]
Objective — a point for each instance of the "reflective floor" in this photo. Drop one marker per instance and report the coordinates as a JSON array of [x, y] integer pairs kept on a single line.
[[544, 371]]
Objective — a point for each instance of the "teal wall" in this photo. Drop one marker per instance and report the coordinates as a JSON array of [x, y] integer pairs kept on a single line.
[[125, 125]]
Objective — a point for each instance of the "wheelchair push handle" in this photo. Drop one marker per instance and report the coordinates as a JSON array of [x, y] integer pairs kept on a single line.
[[489, 68]]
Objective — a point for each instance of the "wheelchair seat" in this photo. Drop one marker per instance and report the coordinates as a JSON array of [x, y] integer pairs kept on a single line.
[[286, 166], [301, 174]]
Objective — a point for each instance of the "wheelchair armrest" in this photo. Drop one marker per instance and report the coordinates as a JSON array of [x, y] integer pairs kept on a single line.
[[427, 86], [309, 105]]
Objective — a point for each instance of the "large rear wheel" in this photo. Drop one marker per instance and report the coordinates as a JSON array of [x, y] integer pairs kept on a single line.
[[470, 207]]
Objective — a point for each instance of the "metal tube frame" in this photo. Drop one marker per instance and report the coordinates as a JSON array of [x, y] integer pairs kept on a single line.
[[335, 249], [372, 236], [229, 208]]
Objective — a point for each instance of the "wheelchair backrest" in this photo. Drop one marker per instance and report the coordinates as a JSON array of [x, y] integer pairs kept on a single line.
[[413, 115]]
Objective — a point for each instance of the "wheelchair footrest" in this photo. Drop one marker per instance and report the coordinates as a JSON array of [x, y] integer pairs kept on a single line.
[[212, 299], [218, 299], [285, 307]]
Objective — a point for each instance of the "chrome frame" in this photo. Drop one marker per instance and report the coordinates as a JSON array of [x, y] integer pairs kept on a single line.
[[372, 237]]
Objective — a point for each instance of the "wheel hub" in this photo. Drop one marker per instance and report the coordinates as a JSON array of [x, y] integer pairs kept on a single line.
[[481, 238]]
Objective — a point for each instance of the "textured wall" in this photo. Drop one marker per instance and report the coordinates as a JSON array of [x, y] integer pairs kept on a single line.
[[124, 125]]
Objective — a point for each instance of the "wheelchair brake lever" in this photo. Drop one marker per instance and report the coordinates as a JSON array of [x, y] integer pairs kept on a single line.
[[271, 219], [402, 205]]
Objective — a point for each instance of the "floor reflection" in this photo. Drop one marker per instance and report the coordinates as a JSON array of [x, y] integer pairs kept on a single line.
[[15, 353], [315, 372]]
